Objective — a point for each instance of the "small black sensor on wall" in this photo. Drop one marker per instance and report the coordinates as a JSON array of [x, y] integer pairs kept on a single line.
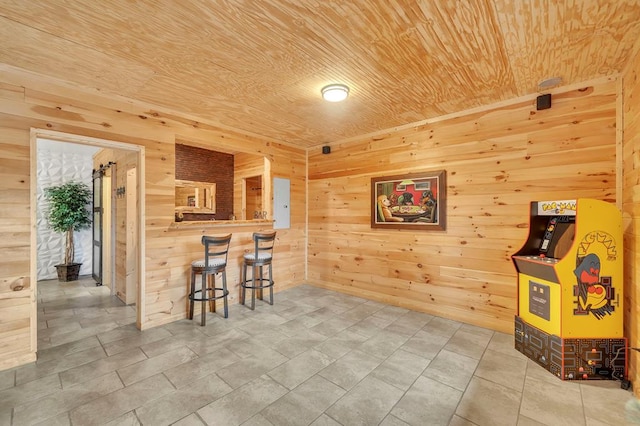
[[326, 149], [543, 102]]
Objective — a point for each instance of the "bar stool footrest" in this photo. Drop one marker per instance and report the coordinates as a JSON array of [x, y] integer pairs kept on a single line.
[[257, 287], [193, 297]]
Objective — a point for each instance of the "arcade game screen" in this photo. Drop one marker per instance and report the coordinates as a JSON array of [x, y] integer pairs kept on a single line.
[[558, 236]]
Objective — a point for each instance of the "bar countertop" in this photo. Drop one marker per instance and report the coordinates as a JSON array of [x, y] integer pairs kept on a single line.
[[218, 223]]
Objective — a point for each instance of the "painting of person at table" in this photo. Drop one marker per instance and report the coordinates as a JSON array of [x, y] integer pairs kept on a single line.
[[384, 212], [406, 199], [428, 203]]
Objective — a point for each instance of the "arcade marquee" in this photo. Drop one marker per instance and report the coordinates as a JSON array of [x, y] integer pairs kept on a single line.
[[569, 318]]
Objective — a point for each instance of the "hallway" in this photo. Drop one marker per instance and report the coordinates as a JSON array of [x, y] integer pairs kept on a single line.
[[314, 358]]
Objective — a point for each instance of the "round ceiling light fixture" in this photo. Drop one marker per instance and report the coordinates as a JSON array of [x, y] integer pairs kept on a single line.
[[335, 92], [549, 83]]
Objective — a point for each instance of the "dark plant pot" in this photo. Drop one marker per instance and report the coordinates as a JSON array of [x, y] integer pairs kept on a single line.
[[68, 272]]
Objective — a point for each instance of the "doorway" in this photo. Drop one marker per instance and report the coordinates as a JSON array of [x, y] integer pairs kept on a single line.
[[131, 211], [253, 197], [104, 225]]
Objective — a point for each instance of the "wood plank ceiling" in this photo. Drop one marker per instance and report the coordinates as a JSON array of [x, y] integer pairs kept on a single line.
[[259, 65]]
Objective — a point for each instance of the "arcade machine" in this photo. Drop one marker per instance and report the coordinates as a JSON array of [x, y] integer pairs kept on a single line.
[[570, 317]]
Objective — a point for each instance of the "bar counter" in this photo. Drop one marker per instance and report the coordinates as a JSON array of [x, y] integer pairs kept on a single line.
[[218, 223]]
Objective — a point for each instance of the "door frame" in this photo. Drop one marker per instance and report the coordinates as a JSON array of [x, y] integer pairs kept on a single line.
[[37, 133]]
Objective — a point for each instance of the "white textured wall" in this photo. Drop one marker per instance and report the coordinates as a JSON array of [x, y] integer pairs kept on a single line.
[[60, 162]]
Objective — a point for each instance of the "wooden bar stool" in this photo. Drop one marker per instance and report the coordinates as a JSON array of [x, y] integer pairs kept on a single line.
[[214, 262], [261, 257]]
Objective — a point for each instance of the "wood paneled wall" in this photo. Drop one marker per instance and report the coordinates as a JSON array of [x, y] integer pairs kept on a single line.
[[27, 101], [17, 295], [631, 210], [497, 162]]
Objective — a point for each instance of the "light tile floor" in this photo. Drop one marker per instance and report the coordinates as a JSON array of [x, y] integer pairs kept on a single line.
[[315, 357]]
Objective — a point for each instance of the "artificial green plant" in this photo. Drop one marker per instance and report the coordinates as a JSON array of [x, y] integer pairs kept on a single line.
[[68, 212]]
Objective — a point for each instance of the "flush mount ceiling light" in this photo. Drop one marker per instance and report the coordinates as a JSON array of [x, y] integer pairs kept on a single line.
[[549, 83], [335, 92]]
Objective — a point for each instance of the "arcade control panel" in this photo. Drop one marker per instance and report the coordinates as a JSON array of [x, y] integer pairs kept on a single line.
[[543, 259]]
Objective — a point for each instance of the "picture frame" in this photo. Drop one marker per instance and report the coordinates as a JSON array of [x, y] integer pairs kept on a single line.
[[415, 201]]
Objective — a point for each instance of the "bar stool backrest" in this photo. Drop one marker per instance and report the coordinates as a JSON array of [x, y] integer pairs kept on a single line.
[[263, 246], [215, 251]]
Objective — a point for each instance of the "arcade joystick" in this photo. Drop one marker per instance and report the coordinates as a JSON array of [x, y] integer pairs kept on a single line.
[[542, 255]]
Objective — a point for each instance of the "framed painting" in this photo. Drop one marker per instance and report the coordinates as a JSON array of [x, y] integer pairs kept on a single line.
[[409, 201]]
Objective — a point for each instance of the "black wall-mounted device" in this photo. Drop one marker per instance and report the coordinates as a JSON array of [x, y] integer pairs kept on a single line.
[[543, 102]]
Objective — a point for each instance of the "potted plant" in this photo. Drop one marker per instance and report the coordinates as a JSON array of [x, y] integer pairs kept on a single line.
[[68, 213]]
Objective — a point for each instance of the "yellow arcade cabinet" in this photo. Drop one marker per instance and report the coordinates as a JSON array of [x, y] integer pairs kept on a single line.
[[569, 318]]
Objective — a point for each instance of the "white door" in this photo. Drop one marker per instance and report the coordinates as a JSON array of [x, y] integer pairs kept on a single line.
[[281, 200]]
